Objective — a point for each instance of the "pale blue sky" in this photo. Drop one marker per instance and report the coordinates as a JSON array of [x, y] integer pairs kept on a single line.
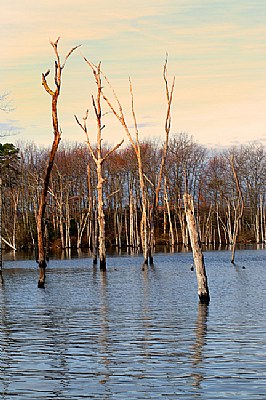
[[217, 51]]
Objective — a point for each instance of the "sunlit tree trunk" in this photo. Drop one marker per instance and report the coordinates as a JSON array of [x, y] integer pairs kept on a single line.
[[81, 227], [132, 241], [238, 210], [99, 160], [144, 234], [154, 210], [1, 254], [145, 223], [218, 225], [228, 223], [101, 219], [262, 220], [57, 137], [67, 222], [95, 238], [90, 194], [171, 231], [15, 198], [203, 290]]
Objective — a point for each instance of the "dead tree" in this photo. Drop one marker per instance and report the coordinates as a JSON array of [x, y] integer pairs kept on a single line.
[[41, 259], [98, 159], [153, 214], [137, 149], [238, 210], [203, 290], [1, 255], [145, 226]]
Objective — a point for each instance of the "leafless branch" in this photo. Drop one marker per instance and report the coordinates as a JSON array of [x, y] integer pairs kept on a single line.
[[69, 54], [148, 180], [169, 97], [45, 84], [84, 128], [113, 193], [112, 150]]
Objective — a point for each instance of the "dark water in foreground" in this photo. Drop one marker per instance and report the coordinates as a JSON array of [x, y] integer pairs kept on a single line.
[[133, 334]]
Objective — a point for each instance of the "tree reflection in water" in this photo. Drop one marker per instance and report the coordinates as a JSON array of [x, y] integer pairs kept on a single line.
[[104, 336], [198, 347]]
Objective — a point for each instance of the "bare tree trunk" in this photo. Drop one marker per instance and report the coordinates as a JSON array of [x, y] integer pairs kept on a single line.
[[98, 159], [81, 227], [1, 254], [67, 223], [164, 216], [101, 218], [61, 228], [90, 226], [154, 210], [115, 221], [218, 225], [119, 228], [176, 230], [238, 211], [95, 239], [207, 234], [57, 137], [132, 241], [261, 220], [144, 234], [15, 198], [257, 227], [228, 224], [171, 231], [182, 221], [145, 226], [126, 229], [203, 290]]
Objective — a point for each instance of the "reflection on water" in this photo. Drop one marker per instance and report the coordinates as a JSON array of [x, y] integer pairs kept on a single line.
[[133, 333], [197, 353]]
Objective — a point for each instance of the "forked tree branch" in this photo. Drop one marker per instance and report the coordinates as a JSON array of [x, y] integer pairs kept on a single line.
[[84, 128], [169, 98]]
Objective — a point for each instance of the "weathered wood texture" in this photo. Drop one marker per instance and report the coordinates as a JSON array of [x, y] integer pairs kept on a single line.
[[57, 137], [203, 290]]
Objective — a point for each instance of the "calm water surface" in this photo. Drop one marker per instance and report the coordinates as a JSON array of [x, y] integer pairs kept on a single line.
[[133, 334]]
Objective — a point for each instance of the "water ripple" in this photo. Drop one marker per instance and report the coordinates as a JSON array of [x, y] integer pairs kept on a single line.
[[131, 333]]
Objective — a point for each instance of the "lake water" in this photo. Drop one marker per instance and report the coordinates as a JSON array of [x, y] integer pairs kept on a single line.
[[134, 334]]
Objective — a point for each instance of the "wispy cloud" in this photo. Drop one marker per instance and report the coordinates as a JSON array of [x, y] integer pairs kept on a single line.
[[216, 50]]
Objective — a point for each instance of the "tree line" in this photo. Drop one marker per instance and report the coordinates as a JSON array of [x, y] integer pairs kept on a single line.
[[71, 217]]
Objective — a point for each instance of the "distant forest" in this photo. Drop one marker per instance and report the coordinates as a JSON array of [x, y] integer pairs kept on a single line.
[[71, 212]]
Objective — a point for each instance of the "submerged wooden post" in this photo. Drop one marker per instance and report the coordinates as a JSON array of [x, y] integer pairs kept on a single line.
[[203, 290]]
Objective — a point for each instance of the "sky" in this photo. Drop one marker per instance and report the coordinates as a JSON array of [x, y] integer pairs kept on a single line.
[[216, 51]]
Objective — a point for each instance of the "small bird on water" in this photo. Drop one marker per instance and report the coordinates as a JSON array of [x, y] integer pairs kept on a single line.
[[192, 267]]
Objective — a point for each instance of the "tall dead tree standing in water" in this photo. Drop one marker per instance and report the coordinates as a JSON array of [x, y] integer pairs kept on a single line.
[[146, 232], [41, 258], [98, 159], [153, 215]]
